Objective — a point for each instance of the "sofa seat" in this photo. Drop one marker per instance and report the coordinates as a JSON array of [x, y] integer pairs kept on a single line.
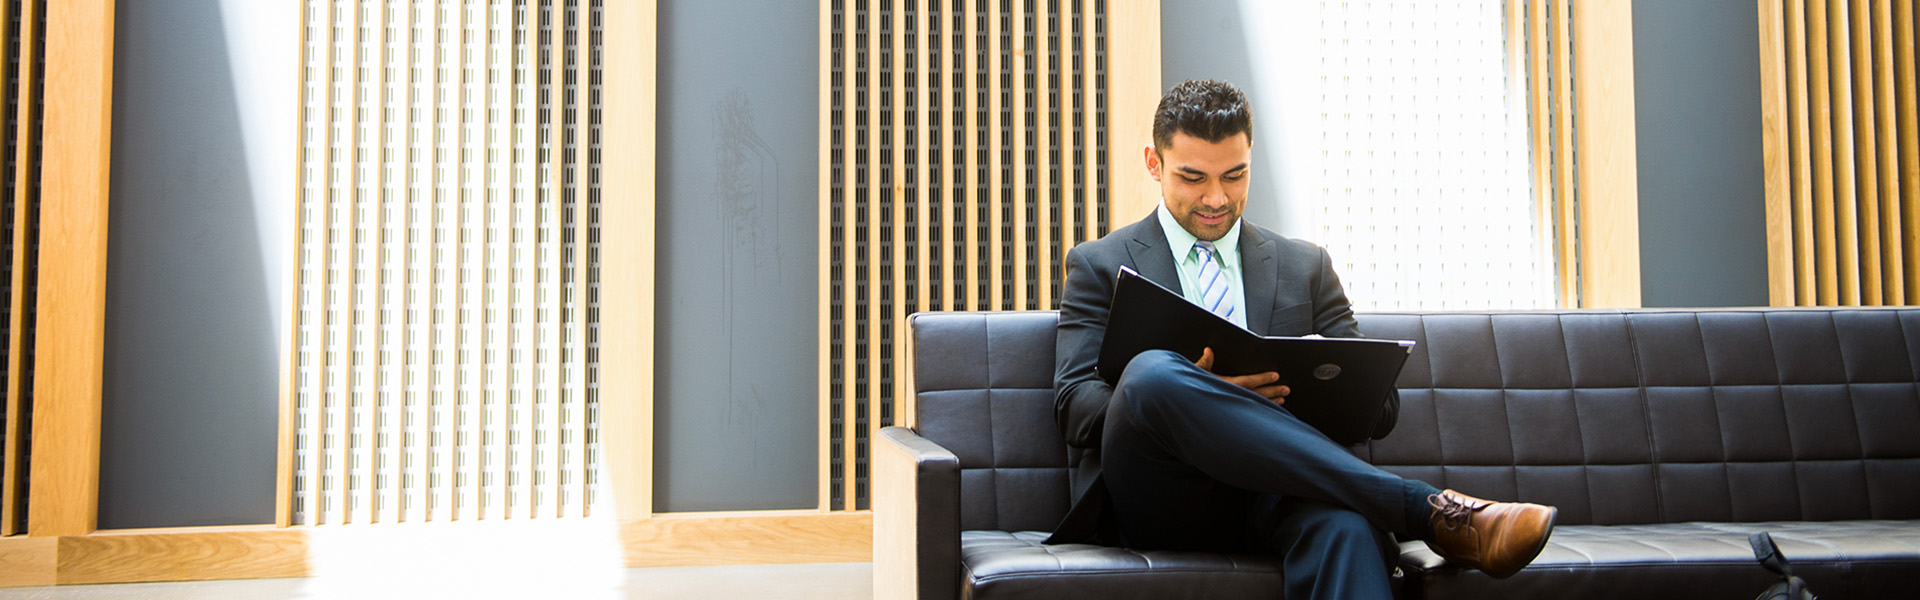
[[1839, 559], [1001, 564]]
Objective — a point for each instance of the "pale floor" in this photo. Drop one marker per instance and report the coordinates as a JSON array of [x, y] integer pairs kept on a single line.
[[798, 582]]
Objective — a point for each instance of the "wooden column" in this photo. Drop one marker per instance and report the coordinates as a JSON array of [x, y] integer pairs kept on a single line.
[[1609, 205], [627, 254], [73, 268]]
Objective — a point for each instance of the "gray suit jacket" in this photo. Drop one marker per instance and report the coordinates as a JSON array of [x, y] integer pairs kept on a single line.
[[1291, 290]]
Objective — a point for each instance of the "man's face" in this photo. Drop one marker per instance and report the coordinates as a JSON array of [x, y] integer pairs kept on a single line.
[[1204, 183]]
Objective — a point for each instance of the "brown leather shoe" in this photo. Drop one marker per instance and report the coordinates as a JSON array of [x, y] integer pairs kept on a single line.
[[1498, 538]]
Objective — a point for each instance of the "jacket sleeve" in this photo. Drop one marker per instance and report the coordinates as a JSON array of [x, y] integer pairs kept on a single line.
[[1333, 317], [1080, 396]]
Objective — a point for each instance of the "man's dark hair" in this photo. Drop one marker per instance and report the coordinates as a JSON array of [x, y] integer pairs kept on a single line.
[[1209, 110]]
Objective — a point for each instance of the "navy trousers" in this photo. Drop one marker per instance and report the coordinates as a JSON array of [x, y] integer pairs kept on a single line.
[[1195, 463]]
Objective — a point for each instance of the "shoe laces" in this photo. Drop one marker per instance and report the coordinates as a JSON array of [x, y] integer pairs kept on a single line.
[[1453, 512]]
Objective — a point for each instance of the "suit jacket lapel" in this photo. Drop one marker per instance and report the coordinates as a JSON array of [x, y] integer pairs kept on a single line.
[[1150, 254], [1259, 274]]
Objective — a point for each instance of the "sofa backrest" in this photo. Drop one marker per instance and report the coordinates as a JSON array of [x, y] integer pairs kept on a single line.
[[983, 388], [1658, 416]]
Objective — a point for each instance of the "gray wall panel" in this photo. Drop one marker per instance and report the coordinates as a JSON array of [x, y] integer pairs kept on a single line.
[[738, 401], [202, 181], [1702, 188]]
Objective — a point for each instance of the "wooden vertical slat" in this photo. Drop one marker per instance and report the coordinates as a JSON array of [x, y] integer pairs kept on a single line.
[[1089, 126], [582, 235], [1805, 283], [346, 340], [896, 211], [969, 263], [319, 459], [373, 413], [362, 267], [1044, 227], [474, 163], [951, 156], [554, 13], [1825, 245], [414, 291], [285, 433], [71, 302], [1608, 203], [1888, 245], [10, 461], [1571, 286], [1773, 125], [871, 215], [628, 257], [849, 179], [1069, 222], [552, 332], [468, 311], [1546, 199], [445, 345], [1018, 199], [1866, 204], [497, 109], [1909, 117], [823, 257], [996, 198], [925, 56], [1845, 176], [535, 332]]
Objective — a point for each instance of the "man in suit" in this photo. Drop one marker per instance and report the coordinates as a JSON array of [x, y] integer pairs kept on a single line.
[[1176, 457]]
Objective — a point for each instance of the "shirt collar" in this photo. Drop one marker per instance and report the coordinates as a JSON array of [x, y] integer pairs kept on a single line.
[[1181, 241]]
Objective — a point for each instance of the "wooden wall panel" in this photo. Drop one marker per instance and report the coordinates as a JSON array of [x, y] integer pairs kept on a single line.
[[1841, 160], [73, 263], [627, 256], [1609, 201], [965, 147]]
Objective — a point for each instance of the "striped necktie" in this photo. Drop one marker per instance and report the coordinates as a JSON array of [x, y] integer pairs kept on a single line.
[[1214, 284]]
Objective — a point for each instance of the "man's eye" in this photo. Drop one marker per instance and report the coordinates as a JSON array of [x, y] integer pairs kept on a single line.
[[1192, 179], [1235, 177]]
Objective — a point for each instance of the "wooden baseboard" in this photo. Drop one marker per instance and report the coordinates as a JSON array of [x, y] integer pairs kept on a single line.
[[27, 561], [400, 550], [696, 539]]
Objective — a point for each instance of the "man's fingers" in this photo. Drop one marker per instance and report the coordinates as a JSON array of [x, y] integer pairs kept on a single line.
[[1206, 360]]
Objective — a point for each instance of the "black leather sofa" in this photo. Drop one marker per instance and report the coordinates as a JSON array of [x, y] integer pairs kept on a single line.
[[1663, 436]]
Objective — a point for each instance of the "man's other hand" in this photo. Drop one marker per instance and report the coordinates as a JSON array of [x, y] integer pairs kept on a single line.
[[1265, 384]]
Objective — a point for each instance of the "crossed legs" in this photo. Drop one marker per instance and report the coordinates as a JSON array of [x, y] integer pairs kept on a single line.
[[1196, 463]]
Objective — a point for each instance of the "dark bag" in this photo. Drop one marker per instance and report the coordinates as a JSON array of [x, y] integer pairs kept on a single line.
[[1789, 587]]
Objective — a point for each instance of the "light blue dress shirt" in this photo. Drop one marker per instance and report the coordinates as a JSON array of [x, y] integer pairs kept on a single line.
[[1186, 260]]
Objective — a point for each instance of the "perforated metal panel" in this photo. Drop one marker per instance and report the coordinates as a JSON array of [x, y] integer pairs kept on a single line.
[[1427, 196], [445, 353], [964, 155]]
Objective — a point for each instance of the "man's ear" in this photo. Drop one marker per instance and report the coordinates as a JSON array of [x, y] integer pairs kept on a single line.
[[1153, 162]]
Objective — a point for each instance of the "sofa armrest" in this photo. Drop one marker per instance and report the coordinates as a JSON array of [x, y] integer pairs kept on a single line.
[[916, 517]]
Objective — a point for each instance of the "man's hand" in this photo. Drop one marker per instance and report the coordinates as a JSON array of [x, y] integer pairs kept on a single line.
[[1265, 384]]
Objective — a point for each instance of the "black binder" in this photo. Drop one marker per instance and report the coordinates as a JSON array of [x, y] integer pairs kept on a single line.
[[1339, 385]]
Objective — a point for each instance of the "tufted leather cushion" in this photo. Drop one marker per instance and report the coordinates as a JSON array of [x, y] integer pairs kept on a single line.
[[984, 385], [998, 564], [1847, 559], [1664, 416]]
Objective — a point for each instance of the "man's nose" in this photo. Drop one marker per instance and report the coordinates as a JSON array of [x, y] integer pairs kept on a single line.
[[1215, 196]]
